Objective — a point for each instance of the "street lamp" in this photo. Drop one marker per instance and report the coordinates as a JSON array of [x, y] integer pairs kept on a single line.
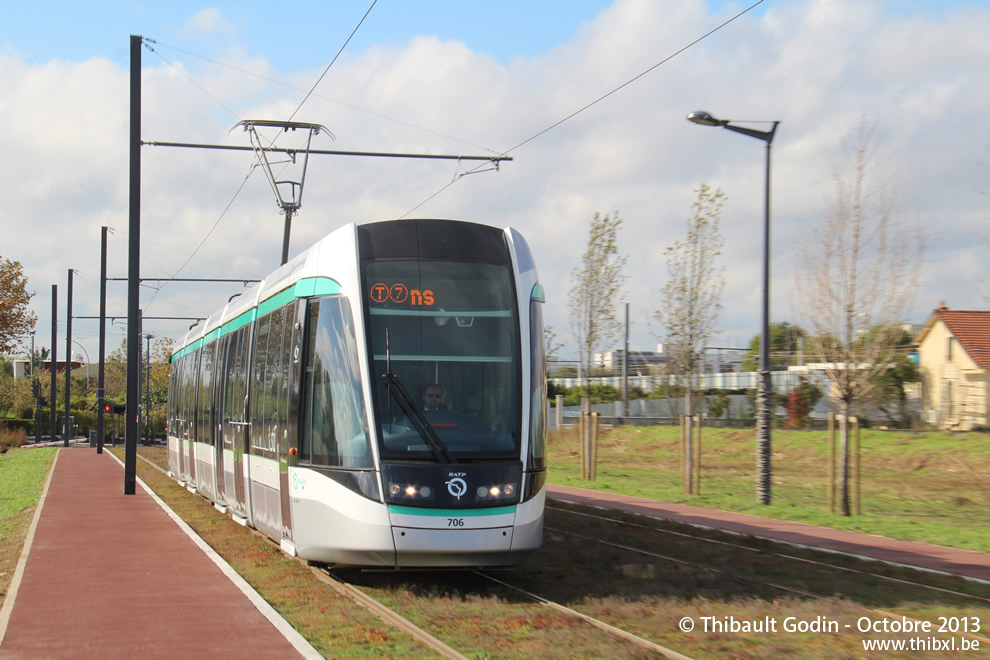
[[764, 398], [87, 361], [147, 393]]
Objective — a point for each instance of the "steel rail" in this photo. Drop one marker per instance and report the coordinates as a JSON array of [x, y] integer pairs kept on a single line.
[[386, 614], [813, 562], [607, 627], [746, 578]]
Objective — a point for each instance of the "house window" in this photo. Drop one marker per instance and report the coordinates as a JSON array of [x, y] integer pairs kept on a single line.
[[948, 349]]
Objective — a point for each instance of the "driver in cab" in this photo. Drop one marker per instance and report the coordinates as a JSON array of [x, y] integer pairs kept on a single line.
[[433, 397]]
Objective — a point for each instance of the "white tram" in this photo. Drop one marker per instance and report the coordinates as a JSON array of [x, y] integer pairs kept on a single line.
[[301, 407]]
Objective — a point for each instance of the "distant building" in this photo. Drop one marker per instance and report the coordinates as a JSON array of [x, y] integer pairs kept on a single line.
[[613, 359], [716, 359], [954, 361], [22, 368]]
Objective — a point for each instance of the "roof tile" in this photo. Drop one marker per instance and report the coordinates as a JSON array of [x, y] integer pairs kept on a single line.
[[972, 330]]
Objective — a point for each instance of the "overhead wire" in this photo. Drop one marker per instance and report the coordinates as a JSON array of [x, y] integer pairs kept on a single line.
[[144, 239], [320, 79], [244, 182], [223, 214], [147, 44], [589, 105], [327, 98]]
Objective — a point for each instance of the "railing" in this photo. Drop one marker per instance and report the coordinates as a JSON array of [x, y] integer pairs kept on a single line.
[[783, 381]]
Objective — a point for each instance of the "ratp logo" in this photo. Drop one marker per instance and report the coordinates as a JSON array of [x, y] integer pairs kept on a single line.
[[457, 487]]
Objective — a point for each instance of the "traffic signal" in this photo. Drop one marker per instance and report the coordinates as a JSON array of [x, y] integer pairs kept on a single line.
[[107, 407]]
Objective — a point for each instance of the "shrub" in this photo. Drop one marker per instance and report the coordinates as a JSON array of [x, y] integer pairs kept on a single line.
[[11, 438]]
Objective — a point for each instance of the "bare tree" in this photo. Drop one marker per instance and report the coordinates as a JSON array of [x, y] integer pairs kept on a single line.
[[692, 297], [858, 272], [595, 287]]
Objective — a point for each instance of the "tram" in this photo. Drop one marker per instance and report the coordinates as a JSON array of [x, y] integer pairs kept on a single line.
[[379, 400]]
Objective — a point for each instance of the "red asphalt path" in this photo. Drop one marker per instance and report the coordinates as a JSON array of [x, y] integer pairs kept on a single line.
[[110, 575], [964, 563]]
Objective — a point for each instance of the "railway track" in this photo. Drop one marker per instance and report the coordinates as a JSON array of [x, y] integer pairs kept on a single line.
[[778, 585], [618, 632], [781, 555], [640, 647]]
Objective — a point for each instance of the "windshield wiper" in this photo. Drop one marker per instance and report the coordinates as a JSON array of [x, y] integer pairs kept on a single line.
[[417, 419]]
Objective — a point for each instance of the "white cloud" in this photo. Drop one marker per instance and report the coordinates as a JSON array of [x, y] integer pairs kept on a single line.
[[207, 23]]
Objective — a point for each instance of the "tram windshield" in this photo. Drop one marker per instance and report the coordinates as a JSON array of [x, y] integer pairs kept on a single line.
[[444, 337]]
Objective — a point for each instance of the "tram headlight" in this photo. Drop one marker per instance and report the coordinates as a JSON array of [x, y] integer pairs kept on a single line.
[[496, 492], [410, 493]]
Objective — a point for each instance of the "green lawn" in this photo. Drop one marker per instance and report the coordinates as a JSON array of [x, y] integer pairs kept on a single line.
[[930, 487], [23, 473], [22, 478]]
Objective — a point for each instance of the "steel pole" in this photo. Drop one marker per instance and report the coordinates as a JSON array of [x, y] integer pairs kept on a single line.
[[101, 394], [53, 381], [625, 368], [131, 420], [765, 397], [36, 390], [147, 391], [285, 236], [66, 423]]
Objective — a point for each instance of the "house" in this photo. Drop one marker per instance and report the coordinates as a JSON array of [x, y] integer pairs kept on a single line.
[[954, 361], [22, 367]]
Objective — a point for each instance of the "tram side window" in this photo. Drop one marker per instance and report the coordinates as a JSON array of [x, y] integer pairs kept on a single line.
[[335, 423], [188, 403], [173, 385], [270, 385], [204, 404], [237, 376], [221, 373], [274, 379], [538, 374], [285, 377], [259, 393]]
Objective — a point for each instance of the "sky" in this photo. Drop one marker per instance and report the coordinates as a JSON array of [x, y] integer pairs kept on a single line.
[[484, 78]]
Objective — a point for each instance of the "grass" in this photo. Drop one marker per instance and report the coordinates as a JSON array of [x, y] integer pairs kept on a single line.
[[928, 487], [22, 478]]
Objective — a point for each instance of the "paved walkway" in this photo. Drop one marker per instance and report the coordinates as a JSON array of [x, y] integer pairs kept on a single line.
[[920, 555], [109, 575]]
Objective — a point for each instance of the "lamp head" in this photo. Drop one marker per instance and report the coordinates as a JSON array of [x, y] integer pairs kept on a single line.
[[702, 117]]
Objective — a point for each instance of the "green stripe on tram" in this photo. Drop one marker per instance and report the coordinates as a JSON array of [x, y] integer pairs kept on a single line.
[[451, 513], [304, 288]]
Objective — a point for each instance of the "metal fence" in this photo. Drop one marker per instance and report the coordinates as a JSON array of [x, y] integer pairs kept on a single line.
[[739, 413], [782, 381]]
